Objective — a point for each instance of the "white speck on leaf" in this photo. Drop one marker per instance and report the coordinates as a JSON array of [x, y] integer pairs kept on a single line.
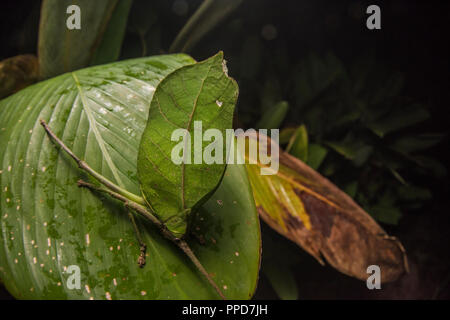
[[148, 88], [224, 67]]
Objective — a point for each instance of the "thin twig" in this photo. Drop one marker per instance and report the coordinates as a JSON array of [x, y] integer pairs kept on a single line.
[[188, 251], [83, 165]]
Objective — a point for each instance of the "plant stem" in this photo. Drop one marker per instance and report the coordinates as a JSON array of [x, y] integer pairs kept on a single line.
[[83, 165], [183, 245]]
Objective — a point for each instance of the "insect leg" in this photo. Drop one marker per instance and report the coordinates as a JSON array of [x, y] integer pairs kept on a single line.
[[142, 246]]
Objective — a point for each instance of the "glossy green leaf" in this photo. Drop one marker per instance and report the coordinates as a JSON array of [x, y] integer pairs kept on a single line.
[[48, 224], [98, 40], [190, 101]]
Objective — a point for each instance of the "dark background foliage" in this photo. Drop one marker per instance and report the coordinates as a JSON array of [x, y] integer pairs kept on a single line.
[[341, 81]]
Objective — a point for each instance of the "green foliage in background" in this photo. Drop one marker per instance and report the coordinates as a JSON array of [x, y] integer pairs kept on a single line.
[[98, 40], [360, 131]]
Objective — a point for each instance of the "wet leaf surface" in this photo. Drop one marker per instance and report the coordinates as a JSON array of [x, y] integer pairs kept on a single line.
[[49, 224], [193, 100]]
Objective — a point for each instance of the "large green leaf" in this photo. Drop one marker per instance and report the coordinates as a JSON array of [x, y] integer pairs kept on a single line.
[[195, 98], [49, 224], [98, 40]]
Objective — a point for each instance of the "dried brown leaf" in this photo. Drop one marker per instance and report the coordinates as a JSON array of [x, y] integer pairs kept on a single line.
[[311, 211]]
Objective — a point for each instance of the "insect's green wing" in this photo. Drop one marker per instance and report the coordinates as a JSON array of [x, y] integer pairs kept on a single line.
[[199, 92]]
